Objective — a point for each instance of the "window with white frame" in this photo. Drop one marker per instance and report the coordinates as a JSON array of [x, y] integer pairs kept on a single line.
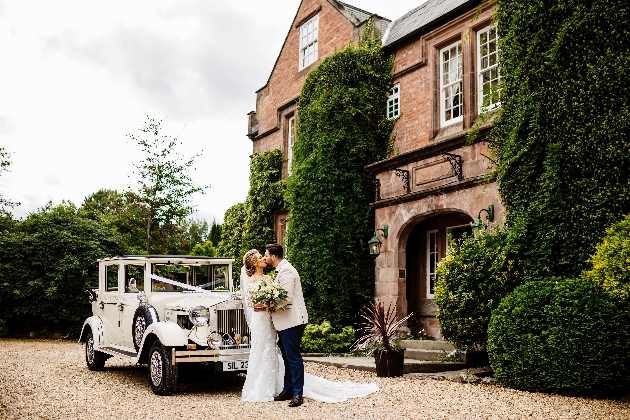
[[393, 102], [290, 143], [432, 260], [451, 84], [488, 68], [308, 42]]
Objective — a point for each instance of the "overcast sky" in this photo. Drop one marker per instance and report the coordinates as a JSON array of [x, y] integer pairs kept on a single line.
[[76, 77]]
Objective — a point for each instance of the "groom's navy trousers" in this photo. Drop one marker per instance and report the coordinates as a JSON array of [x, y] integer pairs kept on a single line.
[[289, 343]]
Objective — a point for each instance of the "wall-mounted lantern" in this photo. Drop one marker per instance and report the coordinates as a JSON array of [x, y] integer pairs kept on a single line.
[[375, 244], [490, 216]]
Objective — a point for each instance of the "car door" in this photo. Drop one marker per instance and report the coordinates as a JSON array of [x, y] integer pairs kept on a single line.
[[110, 295], [132, 276]]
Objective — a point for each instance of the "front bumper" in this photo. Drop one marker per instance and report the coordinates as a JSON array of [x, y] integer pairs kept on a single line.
[[225, 353]]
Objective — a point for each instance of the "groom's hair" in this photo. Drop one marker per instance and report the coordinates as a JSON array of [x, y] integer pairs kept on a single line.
[[275, 249]]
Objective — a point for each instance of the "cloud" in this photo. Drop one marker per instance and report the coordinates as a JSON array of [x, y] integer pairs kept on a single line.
[[7, 127], [211, 69], [51, 180]]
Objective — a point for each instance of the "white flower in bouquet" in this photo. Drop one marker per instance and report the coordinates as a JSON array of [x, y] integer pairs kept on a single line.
[[270, 294]]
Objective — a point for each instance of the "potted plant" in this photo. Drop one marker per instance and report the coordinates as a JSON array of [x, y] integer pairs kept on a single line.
[[380, 330]]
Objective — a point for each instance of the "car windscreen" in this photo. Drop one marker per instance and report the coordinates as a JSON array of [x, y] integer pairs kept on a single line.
[[205, 276]]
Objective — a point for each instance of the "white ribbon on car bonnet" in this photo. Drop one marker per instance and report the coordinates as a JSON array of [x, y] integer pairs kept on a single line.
[[184, 285]]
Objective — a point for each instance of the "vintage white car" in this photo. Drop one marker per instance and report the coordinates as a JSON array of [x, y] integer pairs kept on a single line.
[[163, 310]]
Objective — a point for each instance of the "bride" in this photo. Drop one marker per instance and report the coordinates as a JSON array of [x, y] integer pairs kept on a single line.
[[265, 370]]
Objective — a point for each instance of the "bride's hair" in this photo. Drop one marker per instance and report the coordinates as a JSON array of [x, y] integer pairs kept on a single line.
[[249, 260]]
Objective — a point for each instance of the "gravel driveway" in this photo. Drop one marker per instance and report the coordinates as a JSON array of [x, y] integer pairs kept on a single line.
[[45, 379]]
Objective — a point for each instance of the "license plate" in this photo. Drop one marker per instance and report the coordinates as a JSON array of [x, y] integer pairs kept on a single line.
[[238, 365]]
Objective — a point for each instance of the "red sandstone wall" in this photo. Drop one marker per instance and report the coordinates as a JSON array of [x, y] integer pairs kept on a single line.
[[285, 83]]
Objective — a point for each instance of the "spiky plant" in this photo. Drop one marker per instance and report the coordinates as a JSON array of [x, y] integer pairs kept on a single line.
[[380, 326]]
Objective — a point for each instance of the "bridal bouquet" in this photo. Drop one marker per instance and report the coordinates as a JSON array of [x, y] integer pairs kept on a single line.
[[269, 293]]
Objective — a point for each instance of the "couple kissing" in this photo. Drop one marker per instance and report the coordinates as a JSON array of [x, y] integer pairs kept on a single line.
[[276, 369]]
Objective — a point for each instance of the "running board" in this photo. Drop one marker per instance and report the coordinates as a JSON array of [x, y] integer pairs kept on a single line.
[[118, 352]]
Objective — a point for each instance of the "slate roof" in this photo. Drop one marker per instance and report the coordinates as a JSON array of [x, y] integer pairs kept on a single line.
[[421, 17], [359, 14]]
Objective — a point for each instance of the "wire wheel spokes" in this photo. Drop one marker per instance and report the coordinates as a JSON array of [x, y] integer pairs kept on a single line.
[[156, 366]]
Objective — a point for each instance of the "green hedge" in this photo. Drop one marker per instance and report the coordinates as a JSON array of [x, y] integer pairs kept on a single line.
[[561, 139], [559, 335], [342, 127], [611, 262], [46, 263], [472, 279], [322, 339], [231, 243]]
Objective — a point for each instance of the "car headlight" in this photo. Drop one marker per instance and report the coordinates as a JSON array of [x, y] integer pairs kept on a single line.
[[199, 315], [215, 340]]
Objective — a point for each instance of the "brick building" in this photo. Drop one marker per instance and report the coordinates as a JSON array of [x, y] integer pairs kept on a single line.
[[435, 183]]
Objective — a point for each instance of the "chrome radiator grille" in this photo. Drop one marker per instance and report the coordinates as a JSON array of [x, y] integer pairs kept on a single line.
[[232, 321]]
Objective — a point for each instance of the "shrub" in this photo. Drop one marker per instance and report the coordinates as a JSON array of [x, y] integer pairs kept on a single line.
[[611, 262], [322, 339], [560, 336], [475, 275], [47, 262]]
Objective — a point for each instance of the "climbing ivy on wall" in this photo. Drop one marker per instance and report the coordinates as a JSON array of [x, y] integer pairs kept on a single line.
[[249, 225], [562, 140], [342, 127]]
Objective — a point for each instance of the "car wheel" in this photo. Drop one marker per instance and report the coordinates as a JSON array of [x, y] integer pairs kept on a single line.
[[95, 359], [143, 317], [162, 375]]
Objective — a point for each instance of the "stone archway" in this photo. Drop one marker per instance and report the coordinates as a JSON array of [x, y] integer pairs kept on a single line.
[[425, 244]]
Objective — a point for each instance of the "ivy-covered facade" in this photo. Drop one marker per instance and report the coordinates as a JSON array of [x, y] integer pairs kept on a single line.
[[433, 179]]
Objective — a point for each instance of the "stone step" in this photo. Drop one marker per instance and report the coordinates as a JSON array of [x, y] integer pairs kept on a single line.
[[368, 364], [431, 355], [427, 345]]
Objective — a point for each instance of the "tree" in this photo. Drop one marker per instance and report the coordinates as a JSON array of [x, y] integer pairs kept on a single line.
[[113, 208], [165, 186], [342, 128], [47, 262], [5, 163], [215, 232]]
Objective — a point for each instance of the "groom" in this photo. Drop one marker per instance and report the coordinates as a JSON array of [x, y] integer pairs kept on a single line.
[[290, 324]]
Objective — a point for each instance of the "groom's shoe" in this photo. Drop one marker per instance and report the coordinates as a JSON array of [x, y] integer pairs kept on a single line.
[[296, 401], [284, 396]]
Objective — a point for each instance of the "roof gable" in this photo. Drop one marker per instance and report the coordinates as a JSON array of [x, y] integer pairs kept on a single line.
[[353, 14]]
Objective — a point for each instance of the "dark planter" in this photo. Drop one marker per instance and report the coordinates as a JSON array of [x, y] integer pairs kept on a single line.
[[389, 363]]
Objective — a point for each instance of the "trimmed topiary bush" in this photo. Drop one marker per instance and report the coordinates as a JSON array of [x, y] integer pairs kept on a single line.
[[472, 279], [322, 339], [611, 262], [560, 336]]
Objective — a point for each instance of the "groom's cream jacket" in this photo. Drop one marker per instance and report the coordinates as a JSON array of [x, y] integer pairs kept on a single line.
[[295, 313]]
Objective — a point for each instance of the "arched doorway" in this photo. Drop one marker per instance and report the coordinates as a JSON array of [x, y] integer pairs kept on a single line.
[[426, 245]]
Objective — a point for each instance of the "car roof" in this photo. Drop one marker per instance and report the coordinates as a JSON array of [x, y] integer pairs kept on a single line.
[[168, 258]]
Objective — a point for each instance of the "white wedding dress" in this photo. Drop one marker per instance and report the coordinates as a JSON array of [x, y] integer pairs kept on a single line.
[[265, 372]]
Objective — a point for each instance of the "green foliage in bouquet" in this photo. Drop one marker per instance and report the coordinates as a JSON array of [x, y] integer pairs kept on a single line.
[[322, 338], [611, 262], [342, 127], [475, 275], [559, 335], [561, 140], [268, 292]]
